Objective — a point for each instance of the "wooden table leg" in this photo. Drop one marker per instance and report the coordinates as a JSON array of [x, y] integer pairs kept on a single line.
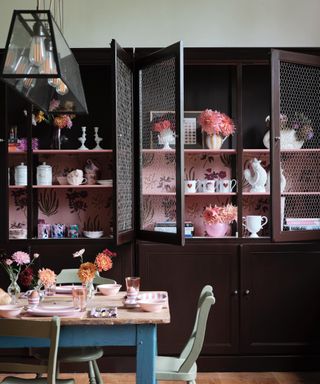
[[146, 353]]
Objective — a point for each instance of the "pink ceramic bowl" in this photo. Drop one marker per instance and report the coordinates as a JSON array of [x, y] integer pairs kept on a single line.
[[151, 305], [10, 310], [109, 289]]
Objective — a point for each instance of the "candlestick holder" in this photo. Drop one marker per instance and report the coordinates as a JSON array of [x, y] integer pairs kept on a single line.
[[82, 139]]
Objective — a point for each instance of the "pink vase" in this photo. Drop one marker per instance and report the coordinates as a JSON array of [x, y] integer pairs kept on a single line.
[[217, 230]]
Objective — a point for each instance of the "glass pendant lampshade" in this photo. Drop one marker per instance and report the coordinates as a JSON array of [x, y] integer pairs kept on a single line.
[[40, 66]]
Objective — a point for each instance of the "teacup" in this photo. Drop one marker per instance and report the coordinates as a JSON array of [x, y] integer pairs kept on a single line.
[[76, 177], [254, 223], [226, 185]]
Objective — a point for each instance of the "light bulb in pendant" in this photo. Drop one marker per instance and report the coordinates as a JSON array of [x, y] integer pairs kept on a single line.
[[49, 66], [30, 82], [37, 52], [62, 89], [11, 58]]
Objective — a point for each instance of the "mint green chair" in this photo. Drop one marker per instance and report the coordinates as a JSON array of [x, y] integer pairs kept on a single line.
[[46, 329], [88, 355], [184, 367]]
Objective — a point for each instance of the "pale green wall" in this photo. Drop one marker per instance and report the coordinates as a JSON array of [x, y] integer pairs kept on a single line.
[[157, 23]]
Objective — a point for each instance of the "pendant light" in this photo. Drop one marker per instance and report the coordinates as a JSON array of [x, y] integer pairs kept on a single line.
[[39, 64]]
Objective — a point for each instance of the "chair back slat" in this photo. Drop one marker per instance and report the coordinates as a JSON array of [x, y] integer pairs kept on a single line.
[[206, 291], [46, 329], [194, 345]]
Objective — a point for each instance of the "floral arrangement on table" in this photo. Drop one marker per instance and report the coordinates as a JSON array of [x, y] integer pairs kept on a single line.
[[47, 278], [88, 270], [17, 265], [162, 126], [226, 214], [217, 125], [294, 134]]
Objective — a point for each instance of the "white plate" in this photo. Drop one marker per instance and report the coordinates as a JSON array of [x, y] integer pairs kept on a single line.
[[64, 288], [93, 234], [105, 182], [53, 310]]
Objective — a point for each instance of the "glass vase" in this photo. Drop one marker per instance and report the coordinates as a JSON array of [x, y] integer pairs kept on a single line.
[[90, 289], [14, 291]]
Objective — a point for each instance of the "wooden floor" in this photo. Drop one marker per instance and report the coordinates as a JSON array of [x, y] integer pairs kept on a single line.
[[214, 378]]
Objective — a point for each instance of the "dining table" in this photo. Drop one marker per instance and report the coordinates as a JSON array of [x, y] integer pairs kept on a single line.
[[92, 327]]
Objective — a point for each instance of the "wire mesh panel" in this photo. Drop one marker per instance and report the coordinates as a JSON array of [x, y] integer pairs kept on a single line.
[[157, 87], [299, 146], [124, 148]]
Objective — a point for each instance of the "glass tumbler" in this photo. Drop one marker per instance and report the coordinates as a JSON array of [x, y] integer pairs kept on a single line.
[[79, 297]]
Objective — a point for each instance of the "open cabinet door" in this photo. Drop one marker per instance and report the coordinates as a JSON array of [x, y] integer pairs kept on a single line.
[[160, 140], [295, 146], [123, 145]]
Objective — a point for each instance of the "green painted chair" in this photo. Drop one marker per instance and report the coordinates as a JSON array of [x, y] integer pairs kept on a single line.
[[184, 367], [88, 355], [46, 329]]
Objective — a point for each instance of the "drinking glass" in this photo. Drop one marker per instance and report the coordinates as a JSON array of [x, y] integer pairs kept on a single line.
[[133, 287], [79, 297]]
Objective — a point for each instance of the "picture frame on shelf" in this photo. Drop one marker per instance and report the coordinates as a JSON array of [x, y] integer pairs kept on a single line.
[[192, 129]]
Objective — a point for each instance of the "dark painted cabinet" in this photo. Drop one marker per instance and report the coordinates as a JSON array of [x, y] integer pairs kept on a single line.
[[266, 300]]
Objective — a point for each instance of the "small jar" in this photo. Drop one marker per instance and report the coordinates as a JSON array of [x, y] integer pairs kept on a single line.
[[20, 175], [44, 174]]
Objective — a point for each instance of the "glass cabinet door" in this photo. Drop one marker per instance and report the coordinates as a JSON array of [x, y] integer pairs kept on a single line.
[[159, 84], [123, 143], [296, 146]]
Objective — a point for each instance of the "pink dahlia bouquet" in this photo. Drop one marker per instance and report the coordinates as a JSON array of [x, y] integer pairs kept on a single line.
[[214, 215], [218, 123], [162, 126], [18, 263]]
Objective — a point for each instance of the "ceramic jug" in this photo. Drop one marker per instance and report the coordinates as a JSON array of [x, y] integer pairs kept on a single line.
[[44, 174], [20, 175]]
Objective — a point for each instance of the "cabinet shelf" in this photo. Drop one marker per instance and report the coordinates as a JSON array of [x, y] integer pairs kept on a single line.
[[81, 186], [300, 193], [256, 150], [255, 193], [17, 186], [70, 151], [213, 194]]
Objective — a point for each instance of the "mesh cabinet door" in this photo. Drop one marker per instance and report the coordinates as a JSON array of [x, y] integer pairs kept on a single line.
[[295, 146], [159, 90], [123, 159]]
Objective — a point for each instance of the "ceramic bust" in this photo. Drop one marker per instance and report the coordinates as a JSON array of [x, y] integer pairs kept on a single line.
[[256, 176]]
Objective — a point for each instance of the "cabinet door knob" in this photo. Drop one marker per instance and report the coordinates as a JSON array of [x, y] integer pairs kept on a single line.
[[1, 140], [235, 292], [246, 292]]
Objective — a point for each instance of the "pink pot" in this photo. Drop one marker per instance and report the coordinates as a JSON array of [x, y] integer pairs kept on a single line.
[[217, 230]]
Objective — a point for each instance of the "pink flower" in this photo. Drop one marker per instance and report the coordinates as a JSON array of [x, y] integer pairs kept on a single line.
[[8, 261], [226, 214], [54, 104], [62, 121], [46, 276], [214, 122], [21, 258], [161, 126]]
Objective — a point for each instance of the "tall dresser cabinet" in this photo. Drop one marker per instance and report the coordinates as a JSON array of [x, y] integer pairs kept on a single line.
[[151, 212]]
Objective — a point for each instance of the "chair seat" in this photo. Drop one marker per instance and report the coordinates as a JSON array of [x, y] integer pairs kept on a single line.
[[20, 380], [167, 369], [71, 355]]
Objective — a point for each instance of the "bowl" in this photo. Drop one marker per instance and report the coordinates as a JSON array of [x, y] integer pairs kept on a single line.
[[109, 289], [93, 234], [151, 305], [10, 310]]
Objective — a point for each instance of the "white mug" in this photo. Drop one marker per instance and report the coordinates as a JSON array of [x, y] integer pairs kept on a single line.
[[209, 186], [226, 185], [190, 186], [76, 177], [254, 223]]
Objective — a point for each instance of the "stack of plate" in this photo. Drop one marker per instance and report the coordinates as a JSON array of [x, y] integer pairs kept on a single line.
[[107, 183], [54, 310]]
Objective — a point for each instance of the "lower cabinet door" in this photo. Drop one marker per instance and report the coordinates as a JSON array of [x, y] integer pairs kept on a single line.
[[279, 301], [183, 271]]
